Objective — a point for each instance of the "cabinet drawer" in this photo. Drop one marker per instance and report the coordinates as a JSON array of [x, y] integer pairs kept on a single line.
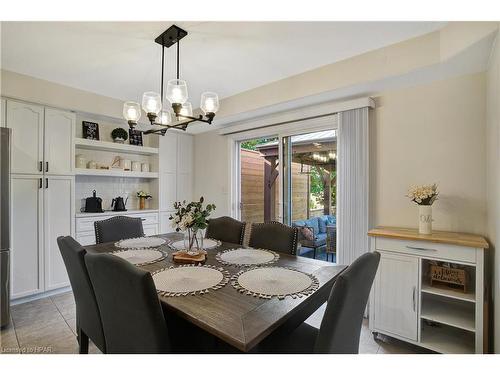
[[427, 249], [146, 218], [86, 224]]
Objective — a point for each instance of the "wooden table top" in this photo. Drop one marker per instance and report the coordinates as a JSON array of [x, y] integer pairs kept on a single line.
[[238, 319], [452, 238]]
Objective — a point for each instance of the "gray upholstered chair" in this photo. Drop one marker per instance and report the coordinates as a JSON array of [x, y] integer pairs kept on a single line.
[[118, 228], [88, 319], [131, 313], [274, 236], [226, 229], [341, 325]]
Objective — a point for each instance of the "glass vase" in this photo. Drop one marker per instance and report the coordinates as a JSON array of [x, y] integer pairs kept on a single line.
[[193, 241]]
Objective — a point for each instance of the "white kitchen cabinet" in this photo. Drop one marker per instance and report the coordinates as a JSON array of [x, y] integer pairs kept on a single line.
[[26, 122], [85, 232], [168, 150], [406, 304], [168, 183], [26, 235], [3, 112], [59, 154], [184, 187], [58, 221], [185, 154], [165, 225], [395, 296]]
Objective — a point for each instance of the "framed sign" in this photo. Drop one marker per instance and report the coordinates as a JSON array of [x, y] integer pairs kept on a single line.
[[135, 137], [90, 130]]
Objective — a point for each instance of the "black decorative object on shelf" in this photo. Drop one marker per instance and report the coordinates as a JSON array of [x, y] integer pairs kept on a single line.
[[135, 137], [90, 130], [119, 135]]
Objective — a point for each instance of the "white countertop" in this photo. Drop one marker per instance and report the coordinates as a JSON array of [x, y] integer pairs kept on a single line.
[[115, 213]]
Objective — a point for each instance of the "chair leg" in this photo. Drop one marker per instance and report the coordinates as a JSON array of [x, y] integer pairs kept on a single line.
[[83, 341]]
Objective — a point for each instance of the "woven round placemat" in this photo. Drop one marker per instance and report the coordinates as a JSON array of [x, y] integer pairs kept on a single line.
[[189, 280], [208, 243], [246, 257], [140, 243], [268, 282], [140, 257]]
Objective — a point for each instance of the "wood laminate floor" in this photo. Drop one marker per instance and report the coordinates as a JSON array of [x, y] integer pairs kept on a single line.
[[47, 326]]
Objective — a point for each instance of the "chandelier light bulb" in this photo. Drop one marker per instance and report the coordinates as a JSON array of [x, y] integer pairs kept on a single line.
[[177, 91], [151, 102], [165, 118], [186, 110], [132, 112], [209, 102]]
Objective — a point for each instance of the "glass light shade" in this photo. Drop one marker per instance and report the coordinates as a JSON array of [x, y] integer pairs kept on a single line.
[[177, 91], [164, 118], [186, 110], [209, 102], [131, 111], [151, 102]]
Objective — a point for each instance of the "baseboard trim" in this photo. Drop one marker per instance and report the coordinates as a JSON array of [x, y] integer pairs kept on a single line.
[[40, 295]]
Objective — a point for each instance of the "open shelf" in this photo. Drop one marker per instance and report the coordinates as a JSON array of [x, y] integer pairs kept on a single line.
[[90, 144], [449, 292], [114, 173], [454, 313], [448, 340]]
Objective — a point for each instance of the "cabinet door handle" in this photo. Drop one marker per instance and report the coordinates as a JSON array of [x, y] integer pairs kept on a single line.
[[46, 183], [46, 166], [419, 248], [40, 183], [414, 298], [40, 166]]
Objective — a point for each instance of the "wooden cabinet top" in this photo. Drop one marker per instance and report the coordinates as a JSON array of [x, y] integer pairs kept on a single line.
[[453, 238]]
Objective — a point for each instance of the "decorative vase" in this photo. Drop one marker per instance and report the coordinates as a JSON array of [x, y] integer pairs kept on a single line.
[[142, 203], [118, 140], [193, 241], [424, 219]]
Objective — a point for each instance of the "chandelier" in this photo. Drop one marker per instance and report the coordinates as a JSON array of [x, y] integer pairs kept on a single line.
[[176, 94]]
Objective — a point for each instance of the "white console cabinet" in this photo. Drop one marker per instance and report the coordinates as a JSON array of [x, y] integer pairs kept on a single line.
[[404, 304]]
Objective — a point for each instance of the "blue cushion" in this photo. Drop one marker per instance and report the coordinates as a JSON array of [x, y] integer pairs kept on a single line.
[[332, 220], [323, 222], [314, 224], [298, 223]]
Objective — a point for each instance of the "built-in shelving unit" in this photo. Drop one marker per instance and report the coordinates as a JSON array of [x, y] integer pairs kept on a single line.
[[88, 144], [114, 173], [447, 340], [455, 313]]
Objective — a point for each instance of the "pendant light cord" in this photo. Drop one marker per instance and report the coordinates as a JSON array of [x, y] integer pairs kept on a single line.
[[178, 53], [162, 69]]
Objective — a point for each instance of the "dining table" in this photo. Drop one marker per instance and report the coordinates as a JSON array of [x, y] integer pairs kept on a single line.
[[239, 319]]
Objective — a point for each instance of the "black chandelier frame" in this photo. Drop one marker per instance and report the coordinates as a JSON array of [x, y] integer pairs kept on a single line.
[[167, 39]]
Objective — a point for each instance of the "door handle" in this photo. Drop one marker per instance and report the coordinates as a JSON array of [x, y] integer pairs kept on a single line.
[[40, 166], [46, 183], [46, 166], [40, 183], [419, 248], [414, 298]]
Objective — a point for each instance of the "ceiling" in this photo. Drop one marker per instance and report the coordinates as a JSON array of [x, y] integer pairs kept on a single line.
[[121, 60]]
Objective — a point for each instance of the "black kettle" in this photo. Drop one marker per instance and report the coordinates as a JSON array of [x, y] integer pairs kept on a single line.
[[93, 203], [118, 204]]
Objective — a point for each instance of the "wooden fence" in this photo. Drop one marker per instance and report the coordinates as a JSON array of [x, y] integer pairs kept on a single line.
[[252, 189]]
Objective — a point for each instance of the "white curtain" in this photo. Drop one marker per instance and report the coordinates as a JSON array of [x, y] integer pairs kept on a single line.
[[352, 185]]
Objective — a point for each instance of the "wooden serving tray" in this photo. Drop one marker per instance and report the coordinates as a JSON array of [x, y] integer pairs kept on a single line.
[[183, 257]]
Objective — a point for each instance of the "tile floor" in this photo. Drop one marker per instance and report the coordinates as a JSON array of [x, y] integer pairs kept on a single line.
[[48, 326]]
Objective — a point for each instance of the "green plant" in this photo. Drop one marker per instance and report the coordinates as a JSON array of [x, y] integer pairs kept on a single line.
[[191, 215], [119, 133]]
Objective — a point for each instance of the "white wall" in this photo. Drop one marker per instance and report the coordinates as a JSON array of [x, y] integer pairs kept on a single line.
[[433, 133], [212, 170], [424, 134], [493, 179]]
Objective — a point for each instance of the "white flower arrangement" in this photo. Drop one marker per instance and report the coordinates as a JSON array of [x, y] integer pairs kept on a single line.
[[423, 195], [191, 215]]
